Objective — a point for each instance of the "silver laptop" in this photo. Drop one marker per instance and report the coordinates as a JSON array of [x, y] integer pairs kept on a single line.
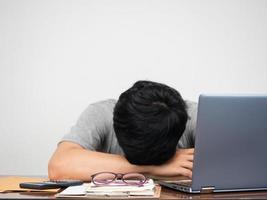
[[230, 147]]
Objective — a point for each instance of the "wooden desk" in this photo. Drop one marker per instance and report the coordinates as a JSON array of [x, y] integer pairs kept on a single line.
[[171, 194], [165, 194]]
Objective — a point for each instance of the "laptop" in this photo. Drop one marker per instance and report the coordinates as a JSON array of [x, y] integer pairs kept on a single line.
[[231, 146]]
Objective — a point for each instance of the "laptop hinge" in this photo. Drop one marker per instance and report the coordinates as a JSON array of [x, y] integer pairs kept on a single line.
[[207, 189]]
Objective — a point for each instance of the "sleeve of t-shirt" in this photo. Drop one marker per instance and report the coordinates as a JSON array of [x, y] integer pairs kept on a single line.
[[90, 129], [187, 140], [192, 123]]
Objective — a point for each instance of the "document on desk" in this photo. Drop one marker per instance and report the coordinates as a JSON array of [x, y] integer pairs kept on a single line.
[[90, 191], [78, 190]]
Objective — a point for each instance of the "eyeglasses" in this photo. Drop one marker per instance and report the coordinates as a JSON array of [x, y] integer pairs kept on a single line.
[[118, 179]]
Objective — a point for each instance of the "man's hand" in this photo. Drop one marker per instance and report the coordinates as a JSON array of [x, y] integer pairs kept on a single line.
[[180, 165]]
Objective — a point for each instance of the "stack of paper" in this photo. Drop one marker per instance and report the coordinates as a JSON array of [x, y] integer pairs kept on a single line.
[[148, 189], [89, 191]]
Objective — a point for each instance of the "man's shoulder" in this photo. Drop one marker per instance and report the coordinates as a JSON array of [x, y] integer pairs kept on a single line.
[[100, 112], [191, 107], [190, 103], [188, 137], [102, 106], [105, 103], [94, 129]]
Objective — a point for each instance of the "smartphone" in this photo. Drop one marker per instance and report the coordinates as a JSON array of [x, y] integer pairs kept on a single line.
[[50, 184]]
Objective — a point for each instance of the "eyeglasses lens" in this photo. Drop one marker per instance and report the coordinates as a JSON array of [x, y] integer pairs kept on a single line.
[[134, 178], [104, 178]]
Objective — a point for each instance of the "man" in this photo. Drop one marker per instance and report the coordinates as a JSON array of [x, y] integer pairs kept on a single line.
[[150, 129]]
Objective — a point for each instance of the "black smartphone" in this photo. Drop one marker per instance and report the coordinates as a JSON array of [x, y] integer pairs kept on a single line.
[[50, 184]]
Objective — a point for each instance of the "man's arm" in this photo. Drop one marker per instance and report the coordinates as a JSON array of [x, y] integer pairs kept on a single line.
[[71, 161]]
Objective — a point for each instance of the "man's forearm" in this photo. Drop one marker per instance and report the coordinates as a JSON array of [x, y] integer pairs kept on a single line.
[[77, 163]]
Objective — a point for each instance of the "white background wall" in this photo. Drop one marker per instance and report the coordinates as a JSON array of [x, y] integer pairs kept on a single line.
[[58, 56]]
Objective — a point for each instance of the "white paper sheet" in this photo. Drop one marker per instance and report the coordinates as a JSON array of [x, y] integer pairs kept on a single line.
[[74, 190]]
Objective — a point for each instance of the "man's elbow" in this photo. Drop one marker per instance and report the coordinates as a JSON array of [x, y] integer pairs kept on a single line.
[[56, 170]]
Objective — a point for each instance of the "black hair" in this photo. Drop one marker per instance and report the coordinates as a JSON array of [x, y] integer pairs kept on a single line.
[[149, 119]]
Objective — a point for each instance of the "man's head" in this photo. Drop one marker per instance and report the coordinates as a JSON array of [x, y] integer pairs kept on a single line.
[[149, 119]]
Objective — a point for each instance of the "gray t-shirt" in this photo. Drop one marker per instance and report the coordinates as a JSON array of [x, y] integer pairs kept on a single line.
[[94, 128]]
